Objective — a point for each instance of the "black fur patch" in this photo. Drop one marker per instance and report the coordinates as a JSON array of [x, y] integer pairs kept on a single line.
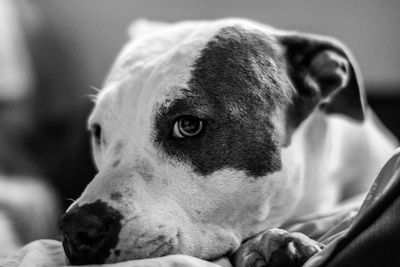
[[234, 88]]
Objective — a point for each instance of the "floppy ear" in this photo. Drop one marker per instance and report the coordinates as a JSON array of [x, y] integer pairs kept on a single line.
[[142, 27], [324, 73]]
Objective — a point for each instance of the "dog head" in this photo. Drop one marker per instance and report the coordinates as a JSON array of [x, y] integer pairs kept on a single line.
[[191, 137]]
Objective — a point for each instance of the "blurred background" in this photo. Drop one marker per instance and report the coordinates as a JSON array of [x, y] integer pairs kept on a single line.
[[53, 52]]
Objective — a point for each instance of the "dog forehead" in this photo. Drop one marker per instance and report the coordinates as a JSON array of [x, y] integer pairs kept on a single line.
[[157, 67], [161, 49], [168, 54], [151, 68]]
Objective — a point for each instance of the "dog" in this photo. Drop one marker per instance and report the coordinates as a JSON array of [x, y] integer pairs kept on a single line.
[[207, 134]]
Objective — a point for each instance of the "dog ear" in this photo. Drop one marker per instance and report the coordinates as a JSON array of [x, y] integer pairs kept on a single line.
[[141, 27], [324, 73]]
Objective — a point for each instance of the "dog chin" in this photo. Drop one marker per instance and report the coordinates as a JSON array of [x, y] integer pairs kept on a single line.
[[144, 247]]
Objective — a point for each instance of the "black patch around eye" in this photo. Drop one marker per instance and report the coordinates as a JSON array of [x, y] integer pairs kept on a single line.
[[241, 134]]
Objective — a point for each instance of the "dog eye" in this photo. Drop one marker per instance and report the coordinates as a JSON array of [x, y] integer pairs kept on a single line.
[[96, 133], [187, 126]]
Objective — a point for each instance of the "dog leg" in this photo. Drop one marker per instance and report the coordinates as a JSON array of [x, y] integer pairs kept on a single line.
[[276, 247]]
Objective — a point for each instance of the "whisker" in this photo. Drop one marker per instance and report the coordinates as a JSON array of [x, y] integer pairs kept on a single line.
[[92, 98], [97, 90], [70, 199]]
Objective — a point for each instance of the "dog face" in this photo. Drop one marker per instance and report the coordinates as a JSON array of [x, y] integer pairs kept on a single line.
[[191, 137]]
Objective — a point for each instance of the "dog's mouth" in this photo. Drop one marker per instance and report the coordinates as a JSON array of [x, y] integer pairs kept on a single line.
[[83, 254], [97, 252], [144, 248]]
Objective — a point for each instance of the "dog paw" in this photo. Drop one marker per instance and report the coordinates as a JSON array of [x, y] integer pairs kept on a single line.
[[276, 248]]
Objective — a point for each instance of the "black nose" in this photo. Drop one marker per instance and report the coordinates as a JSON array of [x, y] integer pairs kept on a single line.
[[90, 232]]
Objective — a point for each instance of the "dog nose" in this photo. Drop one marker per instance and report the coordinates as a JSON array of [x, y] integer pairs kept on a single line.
[[90, 232]]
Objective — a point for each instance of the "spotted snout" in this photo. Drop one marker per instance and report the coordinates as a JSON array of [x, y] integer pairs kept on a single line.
[[90, 232]]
